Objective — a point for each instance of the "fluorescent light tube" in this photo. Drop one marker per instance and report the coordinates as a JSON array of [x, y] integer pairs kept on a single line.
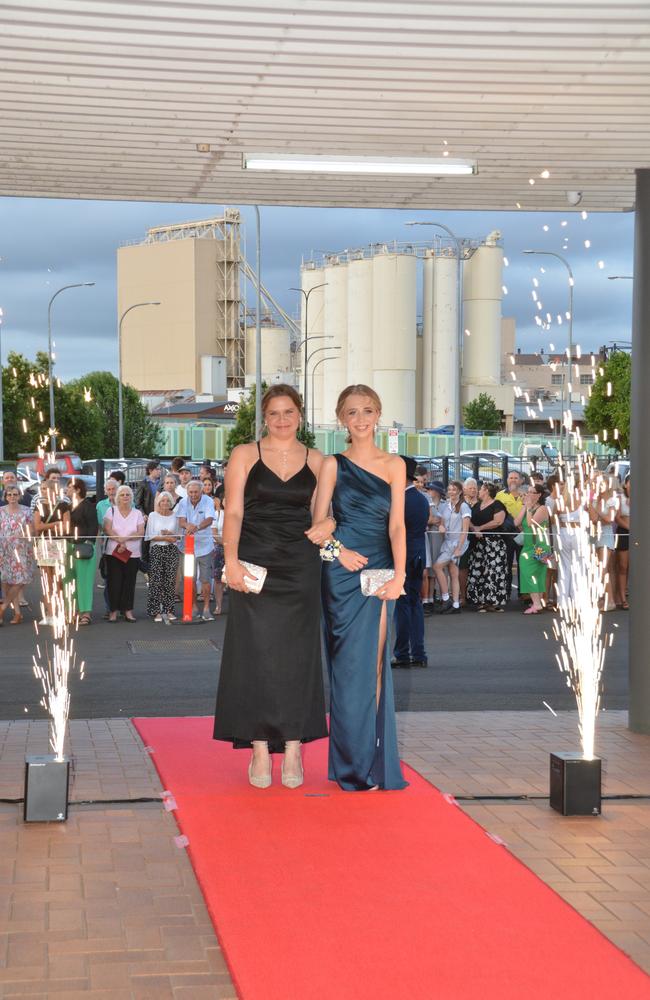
[[298, 163]]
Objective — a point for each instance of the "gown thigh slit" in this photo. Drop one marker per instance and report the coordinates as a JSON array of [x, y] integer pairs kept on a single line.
[[363, 731], [271, 680]]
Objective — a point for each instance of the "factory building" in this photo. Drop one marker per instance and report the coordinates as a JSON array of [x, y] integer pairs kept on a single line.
[[364, 327], [193, 270]]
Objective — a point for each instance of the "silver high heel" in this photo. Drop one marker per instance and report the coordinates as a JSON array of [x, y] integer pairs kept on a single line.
[[293, 780], [264, 780]]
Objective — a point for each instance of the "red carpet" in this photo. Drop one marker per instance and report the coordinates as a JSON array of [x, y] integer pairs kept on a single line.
[[318, 894]]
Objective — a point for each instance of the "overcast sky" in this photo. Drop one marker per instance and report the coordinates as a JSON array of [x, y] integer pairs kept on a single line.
[[48, 243]]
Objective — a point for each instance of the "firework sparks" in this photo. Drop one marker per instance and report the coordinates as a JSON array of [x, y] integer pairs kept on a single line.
[[578, 629], [54, 667]]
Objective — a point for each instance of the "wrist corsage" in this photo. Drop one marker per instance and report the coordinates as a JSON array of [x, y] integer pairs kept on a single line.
[[330, 550]]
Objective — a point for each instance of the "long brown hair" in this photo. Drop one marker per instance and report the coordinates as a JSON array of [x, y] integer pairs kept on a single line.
[[281, 389], [461, 499]]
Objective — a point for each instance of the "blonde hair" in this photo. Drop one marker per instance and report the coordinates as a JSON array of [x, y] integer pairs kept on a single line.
[[124, 489], [355, 390]]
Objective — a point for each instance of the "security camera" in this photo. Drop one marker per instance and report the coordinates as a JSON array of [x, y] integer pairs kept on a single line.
[[574, 197]]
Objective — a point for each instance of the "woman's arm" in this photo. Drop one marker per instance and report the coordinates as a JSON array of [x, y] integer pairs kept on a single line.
[[235, 482], [322, 521], [396, 531], [496, 522], [518, 517], [463, 536]]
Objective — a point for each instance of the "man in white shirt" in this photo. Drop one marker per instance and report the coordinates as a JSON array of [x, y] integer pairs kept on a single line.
[[185, 476], [195, 516]]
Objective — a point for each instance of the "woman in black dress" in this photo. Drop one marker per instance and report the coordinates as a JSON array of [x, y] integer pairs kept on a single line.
[[270, 692], [487, 582]]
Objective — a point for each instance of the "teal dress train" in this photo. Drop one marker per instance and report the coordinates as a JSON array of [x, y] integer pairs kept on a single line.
[[363, 735]]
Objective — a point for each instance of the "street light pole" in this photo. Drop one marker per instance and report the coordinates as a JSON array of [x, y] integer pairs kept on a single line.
[[318, 350], [313, 372], [120, 405], [50, 365], [305, 342], [563, 260], [258, 326], [459, 331]]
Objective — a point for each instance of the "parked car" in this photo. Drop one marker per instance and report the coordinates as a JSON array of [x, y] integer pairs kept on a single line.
[[540, 457], [620, 468]]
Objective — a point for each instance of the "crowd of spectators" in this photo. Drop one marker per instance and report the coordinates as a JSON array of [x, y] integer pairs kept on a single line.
[[476, 537], [65, 535]]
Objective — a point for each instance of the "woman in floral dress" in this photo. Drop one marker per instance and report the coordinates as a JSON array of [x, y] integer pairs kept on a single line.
[[17, 563]]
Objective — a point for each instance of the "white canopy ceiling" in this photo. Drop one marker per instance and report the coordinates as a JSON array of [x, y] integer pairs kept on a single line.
[[110, 98]]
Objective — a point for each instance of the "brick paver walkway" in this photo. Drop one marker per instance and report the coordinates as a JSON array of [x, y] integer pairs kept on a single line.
[[107, 905]]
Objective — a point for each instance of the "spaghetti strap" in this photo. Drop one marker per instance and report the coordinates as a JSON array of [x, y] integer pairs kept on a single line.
[[306, 455], [259, 450]]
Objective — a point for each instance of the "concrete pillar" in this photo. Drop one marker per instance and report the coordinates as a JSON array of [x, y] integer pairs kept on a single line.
[[639, 705]]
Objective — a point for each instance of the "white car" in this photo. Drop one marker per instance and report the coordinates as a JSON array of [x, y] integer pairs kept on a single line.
[[620, 468]]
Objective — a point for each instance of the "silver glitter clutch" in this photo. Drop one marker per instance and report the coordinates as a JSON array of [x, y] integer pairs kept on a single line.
[[373, 579], [254, 586]]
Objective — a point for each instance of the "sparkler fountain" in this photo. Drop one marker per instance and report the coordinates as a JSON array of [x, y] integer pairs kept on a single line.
[[576, 777], [47, 776]]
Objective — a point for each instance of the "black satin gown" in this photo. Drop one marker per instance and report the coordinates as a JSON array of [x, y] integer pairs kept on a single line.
[[271, 682]]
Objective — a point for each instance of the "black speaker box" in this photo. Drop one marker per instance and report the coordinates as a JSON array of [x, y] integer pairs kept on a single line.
[[47, 782], [575, 784]]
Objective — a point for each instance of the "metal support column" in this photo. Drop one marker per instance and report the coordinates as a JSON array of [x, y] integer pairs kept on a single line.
[[639, 696]]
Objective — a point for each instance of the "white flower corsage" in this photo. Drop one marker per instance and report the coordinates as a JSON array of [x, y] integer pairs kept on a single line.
[[330, 550]]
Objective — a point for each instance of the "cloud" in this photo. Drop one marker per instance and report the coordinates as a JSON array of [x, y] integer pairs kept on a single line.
[[49, 243]]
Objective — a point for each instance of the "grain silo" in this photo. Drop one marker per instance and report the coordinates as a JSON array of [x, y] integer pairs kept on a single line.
[[394, 335], [444, 316], [360, 322], [335, 328], [276, 352], [426, 370], [311, 276], [482, 290]]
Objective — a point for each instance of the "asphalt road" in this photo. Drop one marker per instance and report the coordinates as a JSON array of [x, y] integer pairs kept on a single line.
[[476, 662]]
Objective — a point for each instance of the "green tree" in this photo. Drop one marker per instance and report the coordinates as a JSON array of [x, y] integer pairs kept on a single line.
[[85, 411], [611, 412], [244, 430], [26, 407], [142, 435], [481, 414]]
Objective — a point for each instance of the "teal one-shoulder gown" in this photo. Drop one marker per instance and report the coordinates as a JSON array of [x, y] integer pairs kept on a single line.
[[363, 735]]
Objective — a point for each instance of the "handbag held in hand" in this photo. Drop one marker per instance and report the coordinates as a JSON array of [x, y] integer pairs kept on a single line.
[[254, 585]]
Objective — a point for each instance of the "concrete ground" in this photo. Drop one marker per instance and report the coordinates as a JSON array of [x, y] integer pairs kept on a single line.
[[106, 905]]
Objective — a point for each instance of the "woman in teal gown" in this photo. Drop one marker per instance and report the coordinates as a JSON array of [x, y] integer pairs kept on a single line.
[[365, 488]]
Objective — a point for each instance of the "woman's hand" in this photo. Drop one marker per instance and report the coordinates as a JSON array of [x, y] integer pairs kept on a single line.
[[236, 576], [320, 531], [478, 534], [352, 561], [391, 590]]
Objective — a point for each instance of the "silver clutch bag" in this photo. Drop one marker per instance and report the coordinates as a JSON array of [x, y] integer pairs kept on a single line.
[[373, 579], [253, 585]]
